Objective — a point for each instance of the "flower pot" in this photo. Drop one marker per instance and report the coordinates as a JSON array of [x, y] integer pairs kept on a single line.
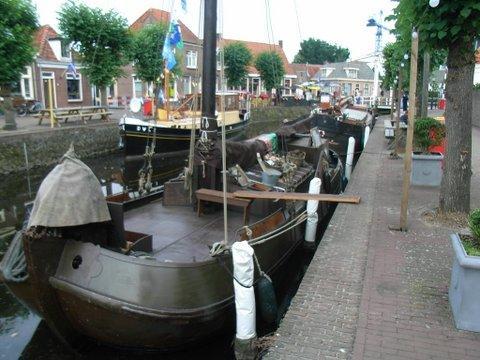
[[426, 169], [464, 292]]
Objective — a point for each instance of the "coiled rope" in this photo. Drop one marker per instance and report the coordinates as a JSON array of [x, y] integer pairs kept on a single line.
[[14, 264]]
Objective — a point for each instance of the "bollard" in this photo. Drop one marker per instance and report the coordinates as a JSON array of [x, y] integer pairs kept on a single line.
[[243, 271], [312, 206], [349, 161], [366, 136]]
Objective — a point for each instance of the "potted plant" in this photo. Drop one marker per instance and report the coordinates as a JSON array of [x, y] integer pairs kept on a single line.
[[426, 162], [464, 293]]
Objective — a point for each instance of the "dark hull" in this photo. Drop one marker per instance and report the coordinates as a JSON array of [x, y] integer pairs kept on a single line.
[[339, 132], [135, 303], [85, 291], [171, 150]]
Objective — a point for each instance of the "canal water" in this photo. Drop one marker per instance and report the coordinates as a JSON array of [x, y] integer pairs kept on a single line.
[[23, 334]]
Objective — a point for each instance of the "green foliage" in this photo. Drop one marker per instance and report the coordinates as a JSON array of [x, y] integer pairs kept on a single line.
[[18, 23], [315, 51], [271, 69], [435, 92], [428, 132], [476, 86], [474, 223], [101, 38], [451, 22], [146, 51], [393, 57], [237, 57], [471, 246]]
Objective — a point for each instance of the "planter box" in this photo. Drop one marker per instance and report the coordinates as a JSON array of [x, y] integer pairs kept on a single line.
[[464, 292], [426, 169]]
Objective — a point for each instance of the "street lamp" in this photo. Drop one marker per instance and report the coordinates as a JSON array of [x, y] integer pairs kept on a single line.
[[434, 3]]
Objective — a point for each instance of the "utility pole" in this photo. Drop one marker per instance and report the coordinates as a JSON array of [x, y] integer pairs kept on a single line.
[[407, 169], [425, 82]]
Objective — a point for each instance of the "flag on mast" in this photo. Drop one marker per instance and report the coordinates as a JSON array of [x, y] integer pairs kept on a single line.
[[184, 5], [175, 35], [72, 69]]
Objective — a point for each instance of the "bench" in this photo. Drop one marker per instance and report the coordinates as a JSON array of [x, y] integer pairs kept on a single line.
[[217, 197], [389, 127]]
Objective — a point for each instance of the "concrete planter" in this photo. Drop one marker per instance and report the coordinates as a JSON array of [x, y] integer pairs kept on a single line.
[[426, 169], [464, 292]]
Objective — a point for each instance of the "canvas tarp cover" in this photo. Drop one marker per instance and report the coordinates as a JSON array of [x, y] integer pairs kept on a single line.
[[70, 195]]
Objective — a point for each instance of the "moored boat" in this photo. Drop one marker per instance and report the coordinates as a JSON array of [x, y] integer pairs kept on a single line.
[[145, 271]]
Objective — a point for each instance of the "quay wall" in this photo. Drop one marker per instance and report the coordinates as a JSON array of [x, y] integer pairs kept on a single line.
[[476, 108], [46, 146]]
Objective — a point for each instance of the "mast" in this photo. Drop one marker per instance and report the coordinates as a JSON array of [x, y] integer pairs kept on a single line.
[[207, 175], [209, 72]]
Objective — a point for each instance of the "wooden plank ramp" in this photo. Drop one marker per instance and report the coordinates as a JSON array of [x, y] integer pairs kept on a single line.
[[346, 199]]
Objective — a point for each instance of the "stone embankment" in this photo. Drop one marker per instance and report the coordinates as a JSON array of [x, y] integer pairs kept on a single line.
[[46, 146]]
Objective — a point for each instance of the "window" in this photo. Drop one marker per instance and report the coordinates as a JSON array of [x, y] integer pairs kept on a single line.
[[187, 85], [366, 90], [24, 87], [65, 49], [137, 87], [287, 91], [191, 57], [351, 73], [74, 87]]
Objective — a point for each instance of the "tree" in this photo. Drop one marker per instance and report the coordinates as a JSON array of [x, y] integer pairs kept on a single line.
[[146, 53], [18, 24], [393, 56], [270, 66], [315, 51], [237, 57], [451, 26], [101, 38]]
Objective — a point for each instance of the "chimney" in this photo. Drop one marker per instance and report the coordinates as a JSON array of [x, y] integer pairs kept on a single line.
[[280, 43]]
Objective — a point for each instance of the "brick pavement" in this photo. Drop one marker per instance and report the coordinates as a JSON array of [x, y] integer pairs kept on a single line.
[[372, 293]]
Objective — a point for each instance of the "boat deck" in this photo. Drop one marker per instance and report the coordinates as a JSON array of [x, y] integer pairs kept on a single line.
[[178, 233]]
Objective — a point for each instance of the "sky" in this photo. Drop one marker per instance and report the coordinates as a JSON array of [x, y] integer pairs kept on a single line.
[[342, 22]]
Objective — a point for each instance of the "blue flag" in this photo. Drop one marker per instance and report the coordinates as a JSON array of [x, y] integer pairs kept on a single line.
[[175, 35], [168, 55], [184, 5], [72, 69]]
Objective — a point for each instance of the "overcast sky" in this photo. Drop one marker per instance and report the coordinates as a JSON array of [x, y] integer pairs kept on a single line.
[[336, 21]]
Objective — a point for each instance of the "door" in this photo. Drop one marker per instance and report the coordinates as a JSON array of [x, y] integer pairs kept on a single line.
[[48, 78]]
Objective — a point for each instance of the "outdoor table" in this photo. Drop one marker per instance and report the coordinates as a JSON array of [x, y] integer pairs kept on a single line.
[[84, 112]]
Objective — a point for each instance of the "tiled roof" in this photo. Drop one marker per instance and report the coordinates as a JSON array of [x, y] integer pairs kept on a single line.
[[256, 48], [152, 16], [477, 56], [364, 71], [311, 68], [42, 35]]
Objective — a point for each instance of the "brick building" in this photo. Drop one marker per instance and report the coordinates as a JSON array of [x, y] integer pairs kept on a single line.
[[51, 63], [130, 85], [254, 83], [353, 77]]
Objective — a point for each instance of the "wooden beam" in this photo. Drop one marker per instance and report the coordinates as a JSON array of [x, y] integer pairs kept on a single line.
[[407, 162], [296, 196]]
